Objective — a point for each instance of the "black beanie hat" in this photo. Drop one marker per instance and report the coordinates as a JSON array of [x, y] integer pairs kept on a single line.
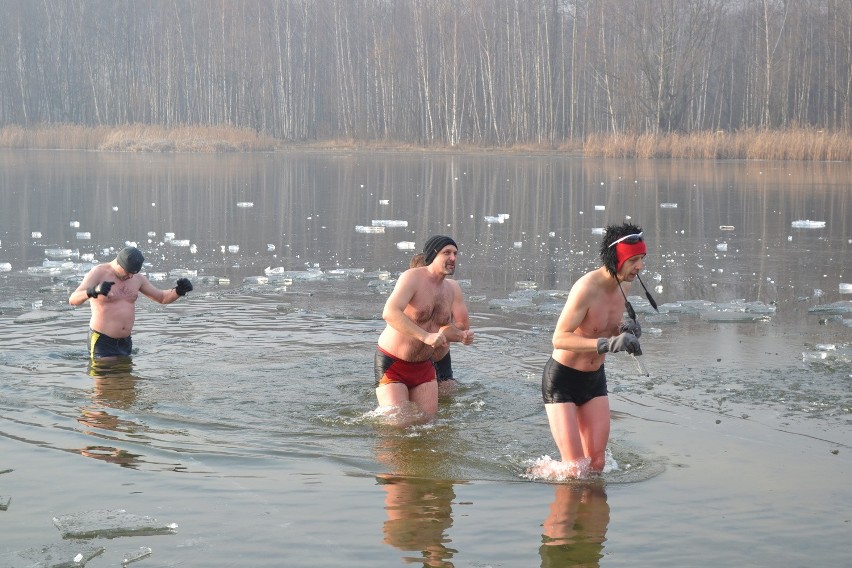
[[434, 245], [130, 259]]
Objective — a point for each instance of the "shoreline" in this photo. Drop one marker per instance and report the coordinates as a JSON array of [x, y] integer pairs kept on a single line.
[[795, 144]]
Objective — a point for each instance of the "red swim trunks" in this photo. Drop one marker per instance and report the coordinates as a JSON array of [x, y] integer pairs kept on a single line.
[[390, 369]]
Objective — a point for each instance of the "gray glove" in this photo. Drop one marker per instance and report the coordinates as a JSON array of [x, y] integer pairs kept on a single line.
[[624, 342], [101, 289], [630, 326]]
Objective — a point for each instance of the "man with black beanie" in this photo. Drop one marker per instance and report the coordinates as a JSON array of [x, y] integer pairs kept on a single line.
[[419, 315], [113, 289]]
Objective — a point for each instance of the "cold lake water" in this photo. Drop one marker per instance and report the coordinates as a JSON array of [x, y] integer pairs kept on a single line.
[[243, 431]]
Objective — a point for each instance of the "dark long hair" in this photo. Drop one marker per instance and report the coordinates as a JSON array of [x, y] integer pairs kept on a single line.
[[613, 233]]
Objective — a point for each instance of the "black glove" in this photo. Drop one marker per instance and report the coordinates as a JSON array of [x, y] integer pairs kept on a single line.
[[183, 286], [630, 326], [624, 342], [101, 289]]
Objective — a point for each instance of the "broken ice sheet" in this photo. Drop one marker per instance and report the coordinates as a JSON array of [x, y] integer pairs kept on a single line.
[[109, 523], [62, 555], [4, 502], [134, 555]]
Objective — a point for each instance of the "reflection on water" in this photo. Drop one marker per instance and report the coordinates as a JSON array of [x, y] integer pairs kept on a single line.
[[113, 387], [419, 513], [574, 532]]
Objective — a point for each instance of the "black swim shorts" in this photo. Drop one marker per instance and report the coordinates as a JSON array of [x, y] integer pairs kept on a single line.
[[564, 384], [101, 345]]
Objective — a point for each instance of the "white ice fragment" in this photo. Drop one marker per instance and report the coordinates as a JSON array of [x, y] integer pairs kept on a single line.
[[726, 227], [598, 230], [270, 247], [843, 288], [256, 280], [168, 236], [789, 238], [7, 267], [114, 208], [59, 253], [108, 523], [130, 244], [722, 247], [179, 242], [808, 224], [366, 229], [233, 248], [389, 223], [84, 235], [491, 219], [384, 201], [75, 224], [183, 273], [245, 204], [193, 248], [518, 244], [152, 234], [668, 205], [600, 207], [157, 276], [134, 555], [36, 234], [405, 245]]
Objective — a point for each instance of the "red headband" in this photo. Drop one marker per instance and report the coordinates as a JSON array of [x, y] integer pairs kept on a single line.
[[624, 250]]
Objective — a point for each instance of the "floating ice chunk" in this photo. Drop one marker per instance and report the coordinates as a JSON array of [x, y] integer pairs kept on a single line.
[[384, 201], [668, 205], [134, 555], [518, 244], [732, 317], [109, 523], [60, 253], [389, 223], [405, 245], [84, 235], [510, 304], [843, 287], [234, 248], [130, 244], [74, 224], [61, 555], [270, 247], [193, 248], [115, 208], [723, 247], [837, 308], [168, 236], [600, 207], [36, 234], [598, 230], [491, 219], [256, 280], [183, 273], [726, 227], [245, 204], [87, 257], [4, 502], [808, 224], [525, 285], [157, 276], [179, 242], [5, 267], [366, 229], [152, 234]]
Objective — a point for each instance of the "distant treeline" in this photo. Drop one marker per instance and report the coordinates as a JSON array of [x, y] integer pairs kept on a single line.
[[435, 73]]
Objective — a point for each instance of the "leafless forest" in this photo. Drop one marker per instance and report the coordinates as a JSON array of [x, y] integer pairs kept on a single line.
[[430, 72]]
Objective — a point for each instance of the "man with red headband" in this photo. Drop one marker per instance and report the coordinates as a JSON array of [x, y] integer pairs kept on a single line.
[[591, 324], [419, 315]]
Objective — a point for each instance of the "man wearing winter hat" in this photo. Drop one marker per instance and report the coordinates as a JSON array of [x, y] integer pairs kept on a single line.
[[419, 316], [113, 289]]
